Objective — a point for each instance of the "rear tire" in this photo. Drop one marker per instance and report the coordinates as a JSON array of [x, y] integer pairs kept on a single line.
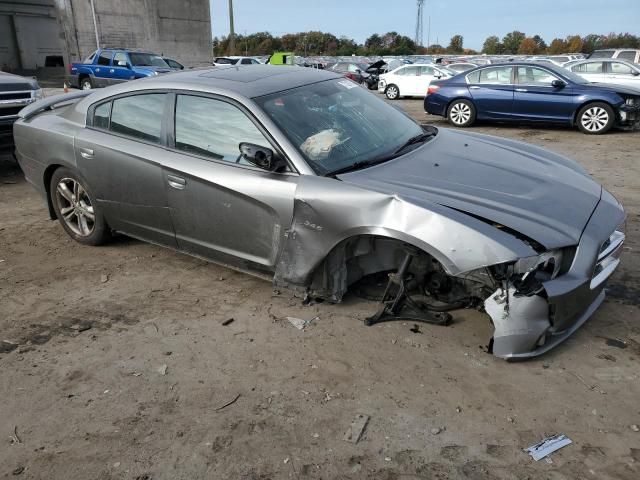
[[461, 113], [596, 118], [86, 83], [392, 92], [75, 208]]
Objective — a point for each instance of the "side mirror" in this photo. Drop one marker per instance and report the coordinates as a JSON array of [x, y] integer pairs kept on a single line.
[[438, 76], [558, 84], [122, 63], [635, 73], [261, 157]]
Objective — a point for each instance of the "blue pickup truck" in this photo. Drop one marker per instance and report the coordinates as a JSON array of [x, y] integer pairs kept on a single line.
[[106, 67]]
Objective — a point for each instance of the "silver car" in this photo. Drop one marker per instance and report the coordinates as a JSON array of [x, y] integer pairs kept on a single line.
[[301, 177]]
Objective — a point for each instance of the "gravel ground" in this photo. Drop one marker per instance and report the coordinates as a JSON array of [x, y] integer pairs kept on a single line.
[[115, 364]]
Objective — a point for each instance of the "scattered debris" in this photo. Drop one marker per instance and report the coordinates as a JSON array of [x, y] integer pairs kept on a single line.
[[548, 446], [316, 435], [15, 438], [606, 356], [104, 278], [387, 459], [635, 428], [116, 465], [299, 323], [415, 328], [286, 460], [162, 369], [6, 346], [82, 326], [458, 410], [435, 430], [614, 342], [356, 429], [18, 471], [510, 419], [136, 374], [228, 403], [228, 321]]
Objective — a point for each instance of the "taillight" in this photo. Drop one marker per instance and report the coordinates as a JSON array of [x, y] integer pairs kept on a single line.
[[432, 89]]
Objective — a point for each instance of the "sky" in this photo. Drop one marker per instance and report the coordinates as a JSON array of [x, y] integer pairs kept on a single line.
[[475, 20]]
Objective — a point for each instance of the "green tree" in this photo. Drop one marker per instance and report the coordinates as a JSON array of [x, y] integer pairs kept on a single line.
[[512, 40], [541, 45], [492, 46], [574, 43], [456, 44], [557, 46], [528, 46]]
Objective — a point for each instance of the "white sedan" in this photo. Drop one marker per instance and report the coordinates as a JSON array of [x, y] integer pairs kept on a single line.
[[608, 70], [411, 80]]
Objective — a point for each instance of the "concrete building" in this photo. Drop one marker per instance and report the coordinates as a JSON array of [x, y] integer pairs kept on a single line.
[[35, 33]]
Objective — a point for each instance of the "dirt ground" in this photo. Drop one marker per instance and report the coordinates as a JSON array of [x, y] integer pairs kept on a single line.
[[115, 364]]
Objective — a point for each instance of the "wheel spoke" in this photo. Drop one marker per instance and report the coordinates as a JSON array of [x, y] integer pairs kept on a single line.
[[82, 224], [64, 211], [63, 189], [88, 213]]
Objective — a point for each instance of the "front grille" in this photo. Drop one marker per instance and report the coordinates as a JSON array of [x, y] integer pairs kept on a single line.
[[608, 258], [13, 87], [14, 95], [10, 111]]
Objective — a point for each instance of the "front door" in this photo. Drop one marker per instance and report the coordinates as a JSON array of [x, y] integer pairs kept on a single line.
[[537, 99], [222, 207], [622, 74], [121, 67], [492, 91], [119, 154]]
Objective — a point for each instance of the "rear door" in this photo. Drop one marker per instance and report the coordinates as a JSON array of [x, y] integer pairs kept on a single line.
[[120, 154], [101, 70], [427, 74], [408, 82], [590, 71], [536, 99], [222, 207], [492, 91]]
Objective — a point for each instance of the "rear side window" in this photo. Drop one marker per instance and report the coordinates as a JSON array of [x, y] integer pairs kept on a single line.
[[496, 75], [620, 68], [629, 55], [591, 67], [412, 71], [101, 116], [426, 71], [214, 128], [105, 57], [139, 116], [602, 54]]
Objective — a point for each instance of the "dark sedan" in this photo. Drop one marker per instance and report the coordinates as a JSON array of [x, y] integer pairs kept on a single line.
[[530, 92]]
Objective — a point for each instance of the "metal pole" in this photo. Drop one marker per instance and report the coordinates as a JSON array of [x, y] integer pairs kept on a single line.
[[429, 33], [95, 24], [232, 36]]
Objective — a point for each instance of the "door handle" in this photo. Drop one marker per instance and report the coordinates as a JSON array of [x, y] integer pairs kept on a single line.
[[176, 182], [86, 153], [111, 71], [521, 89], [474, 87]]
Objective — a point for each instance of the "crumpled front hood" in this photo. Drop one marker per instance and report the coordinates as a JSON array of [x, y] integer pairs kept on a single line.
[[538, 193]]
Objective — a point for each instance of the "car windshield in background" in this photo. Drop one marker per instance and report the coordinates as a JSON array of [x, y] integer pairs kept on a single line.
[[146, 60], [337, 124]]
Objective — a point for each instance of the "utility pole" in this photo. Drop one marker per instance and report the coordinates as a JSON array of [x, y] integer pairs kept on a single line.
[[429, 33], [419, 33], [232, 35]]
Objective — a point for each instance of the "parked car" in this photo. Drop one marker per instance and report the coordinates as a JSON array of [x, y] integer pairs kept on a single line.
[[411, 80], [374, 71], [315, 184], [234, 60], [16, 92], [173, 63], [353, 71], [629, 54], [106, 67], [461, 67], [530, 92], [607, 70]]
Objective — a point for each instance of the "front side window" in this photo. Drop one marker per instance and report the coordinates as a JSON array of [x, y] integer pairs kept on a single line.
[[335, 124], [105, 57], [214, 129], [535, 76], [101, 116], [620, 68], [496, 75], [120, 57], [591, 67], [139, 116]]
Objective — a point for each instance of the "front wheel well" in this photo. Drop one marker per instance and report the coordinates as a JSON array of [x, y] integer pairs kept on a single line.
[[574, 120]]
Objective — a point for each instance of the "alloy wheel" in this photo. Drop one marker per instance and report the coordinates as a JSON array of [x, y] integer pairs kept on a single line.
[[460, 113], [595, 119], [86, 85], [75, 207], [392, 92]]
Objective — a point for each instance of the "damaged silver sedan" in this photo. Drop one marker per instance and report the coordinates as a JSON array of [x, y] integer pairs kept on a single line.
[[302, 177]]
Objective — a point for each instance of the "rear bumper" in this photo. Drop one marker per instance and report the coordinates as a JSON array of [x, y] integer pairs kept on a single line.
[[73, 80], [534, 325], [434, 104]]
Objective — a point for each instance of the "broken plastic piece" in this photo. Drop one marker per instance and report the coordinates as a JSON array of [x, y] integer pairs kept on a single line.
[[356, 428], [548, 446]]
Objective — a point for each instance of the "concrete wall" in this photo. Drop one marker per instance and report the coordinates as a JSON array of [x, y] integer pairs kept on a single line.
[[29, 32], [180, 29]]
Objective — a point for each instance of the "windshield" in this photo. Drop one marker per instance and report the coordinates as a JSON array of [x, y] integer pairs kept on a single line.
[[146, 60], [336, 124]]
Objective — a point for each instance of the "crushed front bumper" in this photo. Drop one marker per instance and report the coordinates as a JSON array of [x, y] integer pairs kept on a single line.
[[629, 116], [530, 326]]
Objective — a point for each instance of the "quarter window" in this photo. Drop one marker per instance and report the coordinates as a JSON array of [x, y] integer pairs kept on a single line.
[[105, 57], [620, 68], [101, 115], [534, 76], [139, 116], [214, 128], [496, 75]]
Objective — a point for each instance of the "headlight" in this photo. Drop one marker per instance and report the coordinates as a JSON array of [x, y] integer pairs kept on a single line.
[[37, 94], [631, 101]]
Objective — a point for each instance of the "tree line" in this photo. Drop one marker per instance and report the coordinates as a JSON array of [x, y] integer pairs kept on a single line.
[[392, 43]]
